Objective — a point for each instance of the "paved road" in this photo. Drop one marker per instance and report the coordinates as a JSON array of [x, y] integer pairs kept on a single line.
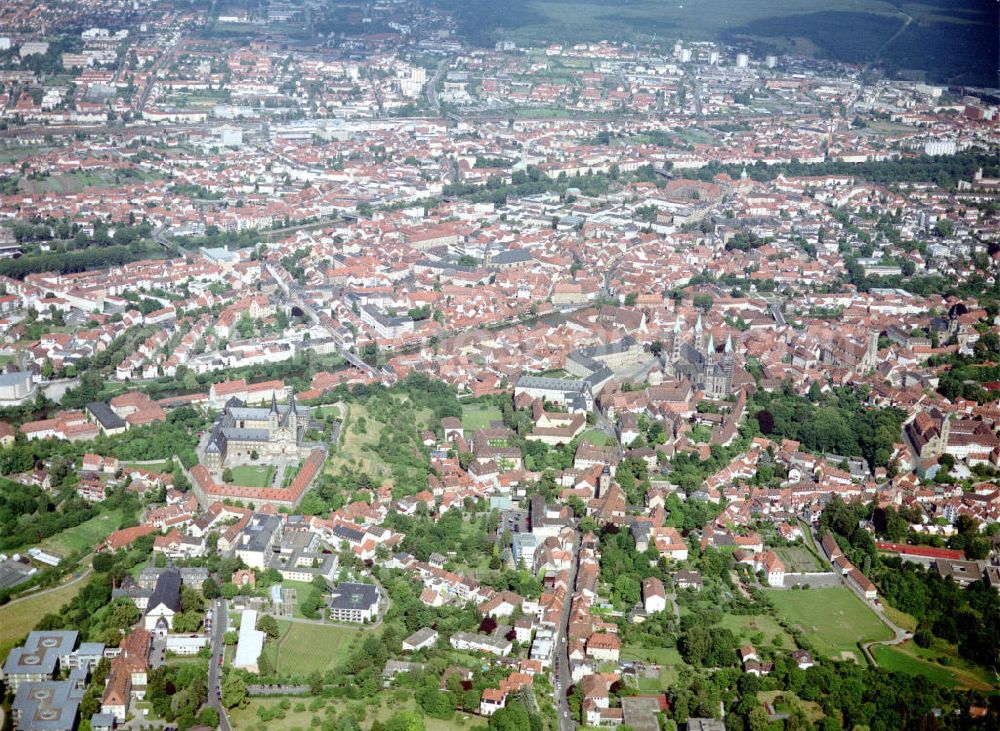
[[87, 572], [432, 86], [563, 678], [219, 623], [899, 635]]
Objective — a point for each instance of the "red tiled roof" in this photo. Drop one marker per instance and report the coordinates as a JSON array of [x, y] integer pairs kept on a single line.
[[922, 551]]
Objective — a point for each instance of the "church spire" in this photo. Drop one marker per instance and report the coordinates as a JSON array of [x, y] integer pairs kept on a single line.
[[729, 343]]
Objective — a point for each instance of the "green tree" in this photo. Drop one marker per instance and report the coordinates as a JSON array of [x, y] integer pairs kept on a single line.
[[234, 691]]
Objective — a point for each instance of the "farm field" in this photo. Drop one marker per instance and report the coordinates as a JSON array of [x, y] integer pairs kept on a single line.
[[954, 40], [251, 476], [477, 416], [833, 619], [19, 618], [911, 659]]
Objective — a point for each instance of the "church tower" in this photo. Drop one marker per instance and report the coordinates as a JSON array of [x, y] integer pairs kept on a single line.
[[274, 416], [727, 364], [871, 352], [675, 344]]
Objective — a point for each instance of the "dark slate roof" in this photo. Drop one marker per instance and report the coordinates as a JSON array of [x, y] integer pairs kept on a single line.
[[167, 591]]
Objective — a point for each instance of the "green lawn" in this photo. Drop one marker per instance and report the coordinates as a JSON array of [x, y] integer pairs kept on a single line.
[[598, 437], [914, 660], [84, 536], [747, 627], [477, 416], [834, 620], [253, 476], [310, 647]]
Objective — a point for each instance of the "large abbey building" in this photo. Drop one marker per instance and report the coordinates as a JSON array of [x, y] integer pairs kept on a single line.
[[698, 360], [272, 432]]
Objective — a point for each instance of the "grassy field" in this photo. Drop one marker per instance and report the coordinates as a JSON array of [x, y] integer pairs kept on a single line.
[[598, 437], [305, 648], [84, 536], [749, 628], [834, 619], [19, 618], [902, 619], [477, 416], [79, 180], [914, 660], [154, 467], [798, 559], [253, 476]]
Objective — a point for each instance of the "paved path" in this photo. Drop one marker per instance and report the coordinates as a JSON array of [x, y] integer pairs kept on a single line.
[[220, 620], [87, 572], [563, 678]]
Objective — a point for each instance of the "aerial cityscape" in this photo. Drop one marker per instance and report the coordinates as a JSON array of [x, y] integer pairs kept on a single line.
[[429, 365]]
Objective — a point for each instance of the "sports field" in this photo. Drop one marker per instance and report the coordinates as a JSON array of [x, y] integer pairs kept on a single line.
[[834, 620], [306, 648]]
